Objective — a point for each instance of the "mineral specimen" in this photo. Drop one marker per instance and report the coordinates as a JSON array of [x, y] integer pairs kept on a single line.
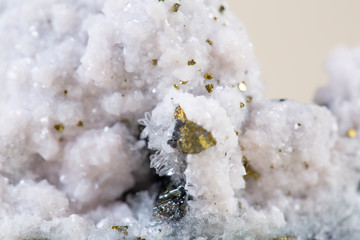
[[89, 138]]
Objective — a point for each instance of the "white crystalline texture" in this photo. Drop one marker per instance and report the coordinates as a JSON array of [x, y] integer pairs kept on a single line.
[[287, 162], [79, 78]]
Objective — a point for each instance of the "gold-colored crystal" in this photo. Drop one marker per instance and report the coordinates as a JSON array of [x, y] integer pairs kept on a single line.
[[122, 229], [179, 114], [242, 104], [191, 62], [209, 87], [59, 127], [208, 76], [117, 228], [351, 133], [154, 61], [249, 170], [176, 86], [242, 86], [216, 19], [248, 99], [194, 138], [80, 124], [183, 82], [209, 41], [237, 133], [175, 7]]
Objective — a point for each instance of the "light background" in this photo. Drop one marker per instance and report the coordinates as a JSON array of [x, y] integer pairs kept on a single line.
[[292, 39]]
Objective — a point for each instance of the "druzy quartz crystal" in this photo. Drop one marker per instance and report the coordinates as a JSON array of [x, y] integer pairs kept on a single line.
[[146, 119]]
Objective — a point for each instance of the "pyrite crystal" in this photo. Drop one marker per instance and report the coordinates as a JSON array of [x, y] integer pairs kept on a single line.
[[194, 138]]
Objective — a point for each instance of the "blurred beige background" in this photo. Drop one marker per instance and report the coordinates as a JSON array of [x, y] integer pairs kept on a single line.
[[292, 39]]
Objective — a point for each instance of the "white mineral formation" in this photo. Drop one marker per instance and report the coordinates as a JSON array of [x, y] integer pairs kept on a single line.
[[98, 95]]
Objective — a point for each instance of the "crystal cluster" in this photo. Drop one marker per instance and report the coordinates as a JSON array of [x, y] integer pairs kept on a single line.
[[146, 119]]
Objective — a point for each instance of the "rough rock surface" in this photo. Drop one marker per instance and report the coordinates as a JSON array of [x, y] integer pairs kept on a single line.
[[90, 94]]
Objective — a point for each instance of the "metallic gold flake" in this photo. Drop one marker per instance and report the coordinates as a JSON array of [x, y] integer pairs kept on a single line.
[[280, 150], [221, 9], [351, 133], [242, 104], [216, 19], [191, 62], [249, 170], [179, 114], [242, 86], [161, 0], [183, 82], [249, 99], [175, 7], [59, 127], [194, 138], [209, 41], [176, 86], [208, 76], [80, 124], [209, 87], [154, 61], [237, 133], [122, 229]]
